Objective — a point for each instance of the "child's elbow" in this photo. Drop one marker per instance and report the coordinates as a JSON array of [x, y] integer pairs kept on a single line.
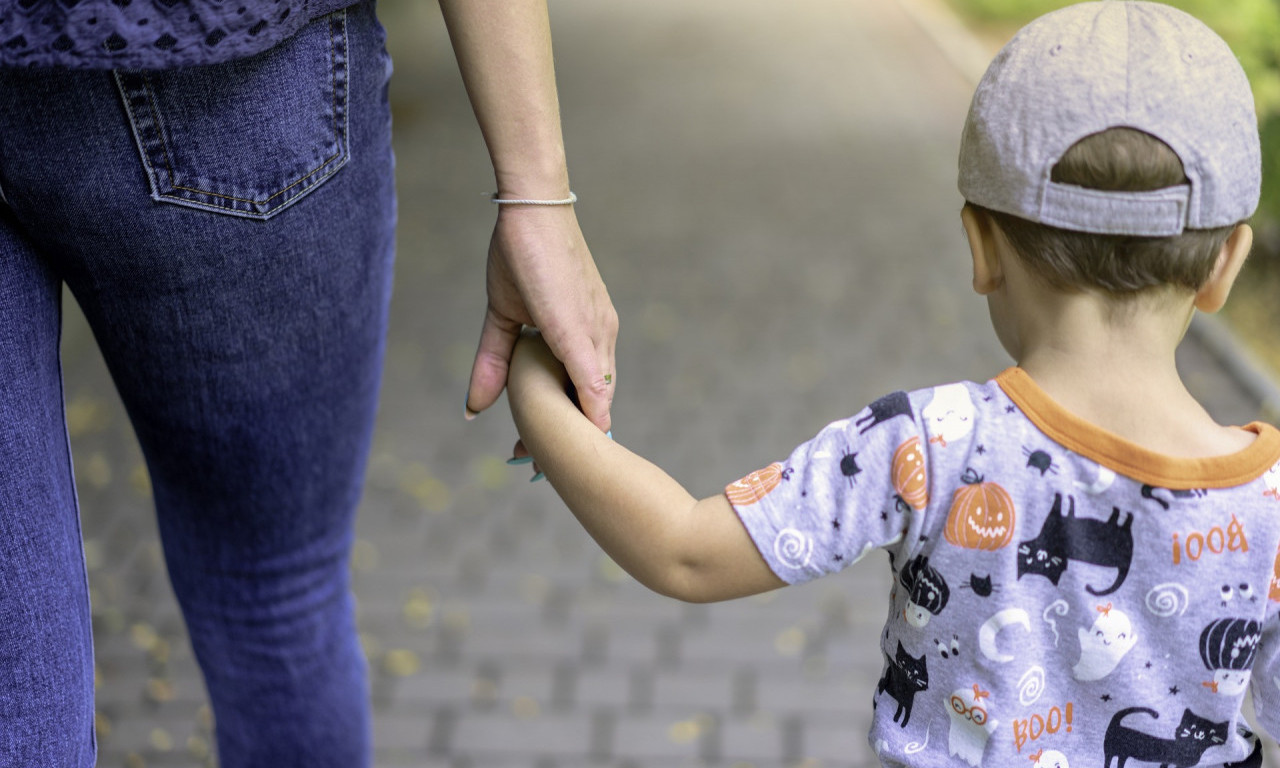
[[688, 583]]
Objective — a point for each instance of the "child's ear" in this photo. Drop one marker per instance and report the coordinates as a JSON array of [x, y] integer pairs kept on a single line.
[[1213, 294], [980, 230]]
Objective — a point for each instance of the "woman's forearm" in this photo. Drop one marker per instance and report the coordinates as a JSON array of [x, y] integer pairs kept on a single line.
[[503, 49]]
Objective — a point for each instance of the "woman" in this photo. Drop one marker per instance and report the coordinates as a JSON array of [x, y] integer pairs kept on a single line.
[[213, 181]]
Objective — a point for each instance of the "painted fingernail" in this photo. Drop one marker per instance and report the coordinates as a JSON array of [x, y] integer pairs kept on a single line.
[[609, 434], [467, 413], [516, 461], [537, 477]]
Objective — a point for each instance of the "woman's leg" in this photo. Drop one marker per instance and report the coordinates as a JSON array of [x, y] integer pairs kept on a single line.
[[46, 655], [229, 239]]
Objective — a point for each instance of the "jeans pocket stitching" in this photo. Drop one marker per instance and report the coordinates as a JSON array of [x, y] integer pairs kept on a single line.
[[155, 130]]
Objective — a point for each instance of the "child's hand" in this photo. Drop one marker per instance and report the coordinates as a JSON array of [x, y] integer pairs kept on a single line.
[[535, 373]]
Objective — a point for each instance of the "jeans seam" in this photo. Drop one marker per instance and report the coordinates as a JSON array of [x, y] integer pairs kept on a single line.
[[338, 22], [75, 504]]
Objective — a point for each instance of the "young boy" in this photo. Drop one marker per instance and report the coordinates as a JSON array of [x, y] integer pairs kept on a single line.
[[1105, 553]]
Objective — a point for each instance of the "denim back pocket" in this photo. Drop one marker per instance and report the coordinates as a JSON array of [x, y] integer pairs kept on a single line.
[[249, 137]]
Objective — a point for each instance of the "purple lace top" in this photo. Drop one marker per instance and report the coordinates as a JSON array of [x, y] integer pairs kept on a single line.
[[147, 34]]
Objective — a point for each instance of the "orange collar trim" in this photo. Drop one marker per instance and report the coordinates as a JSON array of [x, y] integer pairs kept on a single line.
[[1129, 458]]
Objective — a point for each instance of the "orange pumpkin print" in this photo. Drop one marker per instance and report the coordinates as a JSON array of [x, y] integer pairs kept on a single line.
[[754, 486], [1274, 593], [981, 515], [909, 478]]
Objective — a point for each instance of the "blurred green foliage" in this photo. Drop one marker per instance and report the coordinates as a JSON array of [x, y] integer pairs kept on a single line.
[[1250, 27]]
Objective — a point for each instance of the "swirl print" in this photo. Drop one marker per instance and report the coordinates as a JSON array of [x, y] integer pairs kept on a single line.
[[792, 548], [1059, 607], [1031, 686], [1165, 600]]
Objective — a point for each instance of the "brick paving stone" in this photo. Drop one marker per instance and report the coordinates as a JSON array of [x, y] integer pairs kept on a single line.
[[404, 733], [686, 688], [435, 686], [837, 745], [685, 735], [757, 738], [482, 736], [612, 686]]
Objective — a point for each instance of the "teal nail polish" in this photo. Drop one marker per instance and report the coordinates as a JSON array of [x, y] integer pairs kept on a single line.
[[516, 461], [609, 434], [537, 477]]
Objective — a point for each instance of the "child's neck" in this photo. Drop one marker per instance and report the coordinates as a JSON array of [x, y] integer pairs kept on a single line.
[[1119, 373]]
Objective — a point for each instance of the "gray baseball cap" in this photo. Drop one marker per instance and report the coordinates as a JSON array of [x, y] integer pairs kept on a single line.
[[1116, 63]]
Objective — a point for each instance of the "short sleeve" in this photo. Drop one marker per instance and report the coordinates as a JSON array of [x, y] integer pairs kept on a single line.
[[1265, 677], [852, 488]]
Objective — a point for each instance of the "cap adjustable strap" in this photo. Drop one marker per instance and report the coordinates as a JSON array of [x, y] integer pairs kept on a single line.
[[1157, 213]]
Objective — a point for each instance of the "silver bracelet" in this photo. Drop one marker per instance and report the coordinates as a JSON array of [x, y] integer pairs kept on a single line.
[[570, 200]]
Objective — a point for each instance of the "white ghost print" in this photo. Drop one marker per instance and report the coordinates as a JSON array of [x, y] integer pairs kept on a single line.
[[1049, 758], [1104, 644], [949, 416], [971, 724]]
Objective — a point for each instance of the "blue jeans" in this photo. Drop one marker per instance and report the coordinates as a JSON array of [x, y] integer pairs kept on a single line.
[[227, 231]]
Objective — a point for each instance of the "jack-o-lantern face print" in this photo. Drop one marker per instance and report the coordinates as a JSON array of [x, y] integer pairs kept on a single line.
[[754, 486], [981, 516], [909, 478]]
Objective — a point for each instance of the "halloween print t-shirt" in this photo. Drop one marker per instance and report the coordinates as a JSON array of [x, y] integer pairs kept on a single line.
[[1061, 596]]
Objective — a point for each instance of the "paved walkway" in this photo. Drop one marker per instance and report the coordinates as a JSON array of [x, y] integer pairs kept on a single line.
[[769, 189]]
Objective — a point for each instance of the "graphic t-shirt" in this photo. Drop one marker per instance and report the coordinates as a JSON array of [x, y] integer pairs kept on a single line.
[[1061, 596]]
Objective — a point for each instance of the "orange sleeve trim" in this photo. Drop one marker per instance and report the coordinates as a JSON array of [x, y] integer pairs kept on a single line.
[[1129, 458]]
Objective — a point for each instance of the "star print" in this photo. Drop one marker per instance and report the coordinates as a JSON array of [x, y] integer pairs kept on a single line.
[[1147, 665], [1010, 409], [835, 524], [981, 449], [1174, 690], [924, 538], [884, 515], [987, 399], [839, 558], [1106, 697]]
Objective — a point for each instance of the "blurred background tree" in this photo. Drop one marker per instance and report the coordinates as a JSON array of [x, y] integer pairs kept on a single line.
[[1252, 29]]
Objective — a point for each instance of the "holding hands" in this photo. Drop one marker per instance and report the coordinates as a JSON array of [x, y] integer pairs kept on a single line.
[[541, 274]]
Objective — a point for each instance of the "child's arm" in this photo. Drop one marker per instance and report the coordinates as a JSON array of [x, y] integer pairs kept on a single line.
[[651, 526]]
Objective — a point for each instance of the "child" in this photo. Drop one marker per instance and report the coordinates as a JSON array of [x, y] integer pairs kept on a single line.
[[1104, 551]]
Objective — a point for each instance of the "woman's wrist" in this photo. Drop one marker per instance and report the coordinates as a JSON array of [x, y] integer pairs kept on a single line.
[[532, 180]]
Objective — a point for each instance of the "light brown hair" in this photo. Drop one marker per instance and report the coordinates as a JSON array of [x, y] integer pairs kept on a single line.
[[1118, 159]]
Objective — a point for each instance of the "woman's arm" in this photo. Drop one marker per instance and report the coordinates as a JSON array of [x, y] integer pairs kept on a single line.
[[540, 270], [647, 522]]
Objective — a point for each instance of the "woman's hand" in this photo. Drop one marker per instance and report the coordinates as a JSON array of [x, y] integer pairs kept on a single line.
[[540, 273]]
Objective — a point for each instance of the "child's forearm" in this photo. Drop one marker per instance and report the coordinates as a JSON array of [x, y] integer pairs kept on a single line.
[[645, 520]]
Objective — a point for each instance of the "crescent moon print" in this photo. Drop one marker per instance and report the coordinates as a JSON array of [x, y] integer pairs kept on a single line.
[[993, 626]]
